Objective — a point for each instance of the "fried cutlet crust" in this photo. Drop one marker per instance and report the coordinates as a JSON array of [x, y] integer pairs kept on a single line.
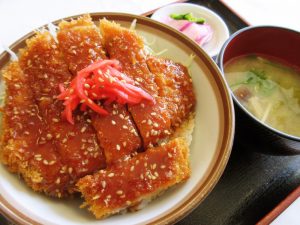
[[25, 148], [77, 144], [153, 121], [175, 86], [136, 179], [81, 43]]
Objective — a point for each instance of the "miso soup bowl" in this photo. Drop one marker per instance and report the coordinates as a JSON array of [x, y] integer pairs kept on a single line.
[[273, 41]]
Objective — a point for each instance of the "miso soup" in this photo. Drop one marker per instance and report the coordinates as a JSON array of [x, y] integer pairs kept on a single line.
[[268, 89]]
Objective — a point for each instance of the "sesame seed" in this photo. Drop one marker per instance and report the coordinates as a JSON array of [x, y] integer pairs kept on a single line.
[[17, 86], [143, 121], [149, 122], [87, 86], [118, 147], [153, 114], [162, 166], [128, 202], [156, 174], [26, 132], [83, 129], [121, 116], [113, 122], [119, 192], [169, 155], [57, 136], [64, 140], [155, 125], [143, 105], [45, 162], [154, 166], [124, 144], [55, 120], [70, 170], [111, 175], [88, 120], [145, 164], [49, 136], [142, 176], [103, 183], [96, 197], [57, 180], [131, 168], [125, 127], [111, 79], [166, 132]]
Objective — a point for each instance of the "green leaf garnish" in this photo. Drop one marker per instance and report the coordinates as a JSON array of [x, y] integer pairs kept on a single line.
[[261, 74], [259, 79], [189, 17]]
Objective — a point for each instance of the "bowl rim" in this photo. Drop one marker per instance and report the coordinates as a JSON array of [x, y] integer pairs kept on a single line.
[[225, 140], [220, 60]]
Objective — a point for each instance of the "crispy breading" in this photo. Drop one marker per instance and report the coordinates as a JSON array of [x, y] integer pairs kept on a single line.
[[81, 44], [143, 177], [153, 121], [25, 148], [97, 156], [76, 144], [175, 86]]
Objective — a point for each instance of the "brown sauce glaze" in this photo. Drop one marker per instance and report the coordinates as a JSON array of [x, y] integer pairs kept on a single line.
[[77, 144], [175, 86], [135, 179], [153, 121], [81, 44], [26, 148]]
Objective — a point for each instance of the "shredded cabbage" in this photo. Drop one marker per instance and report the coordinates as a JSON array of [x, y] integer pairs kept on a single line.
[[52, 29], [13, 55], [133, 25]]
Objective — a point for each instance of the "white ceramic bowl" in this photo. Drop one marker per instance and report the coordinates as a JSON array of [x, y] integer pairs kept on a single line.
[[210, 148], [221, 33]]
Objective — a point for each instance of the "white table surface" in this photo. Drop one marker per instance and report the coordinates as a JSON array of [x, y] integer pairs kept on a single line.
[[18, 17]]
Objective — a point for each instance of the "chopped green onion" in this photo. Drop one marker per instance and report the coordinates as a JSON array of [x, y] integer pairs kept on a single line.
[[188, 16]]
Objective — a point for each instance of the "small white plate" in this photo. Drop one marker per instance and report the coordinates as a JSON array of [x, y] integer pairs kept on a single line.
[[220, 30]]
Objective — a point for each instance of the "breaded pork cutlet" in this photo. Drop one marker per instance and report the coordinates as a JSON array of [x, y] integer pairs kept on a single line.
[[81, 44], [77, 144], [137, 179], [175, 86], [153, 121], [25, 146]]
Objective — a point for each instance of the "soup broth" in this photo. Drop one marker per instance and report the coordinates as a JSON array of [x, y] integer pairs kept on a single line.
[[268, 89]]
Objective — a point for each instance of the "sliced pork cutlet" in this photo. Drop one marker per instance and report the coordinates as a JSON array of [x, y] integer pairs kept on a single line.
[[77, 144], [81, 44], [25, 145], [141, 178], [175, 85], [152, 120]]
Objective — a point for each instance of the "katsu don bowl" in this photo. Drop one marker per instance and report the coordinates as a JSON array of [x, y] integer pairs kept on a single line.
[[110, 118]]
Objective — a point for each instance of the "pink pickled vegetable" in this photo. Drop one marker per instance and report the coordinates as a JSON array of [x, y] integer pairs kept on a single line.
[[200, 33]]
